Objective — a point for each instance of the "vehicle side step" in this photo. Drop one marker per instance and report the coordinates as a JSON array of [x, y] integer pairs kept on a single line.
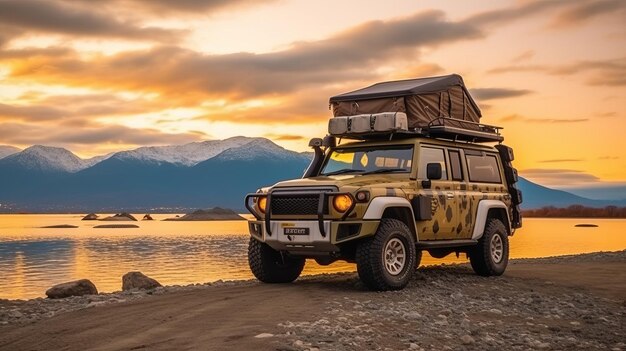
[[435, 244]]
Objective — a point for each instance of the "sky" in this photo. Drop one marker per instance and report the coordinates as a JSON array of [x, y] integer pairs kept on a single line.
[[98, 77]]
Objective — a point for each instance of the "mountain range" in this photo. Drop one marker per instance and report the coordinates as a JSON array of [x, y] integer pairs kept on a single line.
[[172, 178]]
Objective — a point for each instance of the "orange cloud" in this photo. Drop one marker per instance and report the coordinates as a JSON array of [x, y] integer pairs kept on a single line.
[[29, 16]]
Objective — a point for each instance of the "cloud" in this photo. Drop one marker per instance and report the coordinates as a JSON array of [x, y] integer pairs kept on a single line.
[[524, 56], [196, 7], [520, 118], [64, 18], [498, 93], [562, 160], [31, 112], [171, 71], [507, 15], [611, 72], [568, 13], [61, 107], [585, 11], [93, 134], [165, 8], [284, 137], [557, 177]]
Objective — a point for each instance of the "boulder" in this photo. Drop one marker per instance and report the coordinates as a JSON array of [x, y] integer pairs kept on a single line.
[[76, 288], [138, 280], [124, 216], [147, 217], [211, 214], [90, 217]]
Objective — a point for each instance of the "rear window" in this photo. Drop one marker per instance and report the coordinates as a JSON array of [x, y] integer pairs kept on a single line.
[[483, 169]]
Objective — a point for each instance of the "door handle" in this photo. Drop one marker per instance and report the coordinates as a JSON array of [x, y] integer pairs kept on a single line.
[[450, 195]]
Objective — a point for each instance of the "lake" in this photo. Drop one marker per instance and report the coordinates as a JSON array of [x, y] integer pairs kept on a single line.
[[32, 259]]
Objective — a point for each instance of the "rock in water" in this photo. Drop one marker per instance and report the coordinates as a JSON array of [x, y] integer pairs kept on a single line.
[[124, 216], [212, 214], [76, 288], [138, 280], [61, 226], [90, 217]]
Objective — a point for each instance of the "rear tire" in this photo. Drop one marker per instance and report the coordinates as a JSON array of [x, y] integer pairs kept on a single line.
[[491, 255], [270, 266], [388, 259]]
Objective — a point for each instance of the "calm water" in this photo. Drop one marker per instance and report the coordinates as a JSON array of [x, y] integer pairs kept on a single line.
[[32, 259]]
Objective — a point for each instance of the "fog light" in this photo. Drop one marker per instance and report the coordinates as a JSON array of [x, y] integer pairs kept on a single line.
[[342, 203], [362, 196]]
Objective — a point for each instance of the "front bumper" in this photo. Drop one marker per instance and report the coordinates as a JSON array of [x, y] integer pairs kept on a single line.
[[322, 201], [315, 242], [322, 232]]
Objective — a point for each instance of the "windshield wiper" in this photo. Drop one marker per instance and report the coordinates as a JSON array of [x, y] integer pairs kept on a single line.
[[387, 170], [343, 171]]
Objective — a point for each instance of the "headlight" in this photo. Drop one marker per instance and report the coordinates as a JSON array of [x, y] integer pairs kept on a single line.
[[342, 203], [261, 203]]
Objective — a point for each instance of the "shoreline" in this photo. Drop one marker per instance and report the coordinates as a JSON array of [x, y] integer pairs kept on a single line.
[[546, 259], [559, 302]]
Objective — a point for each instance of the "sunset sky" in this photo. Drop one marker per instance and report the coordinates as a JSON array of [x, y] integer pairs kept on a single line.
[[96, 77]]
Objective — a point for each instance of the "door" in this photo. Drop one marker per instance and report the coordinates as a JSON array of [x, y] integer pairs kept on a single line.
[[444, 205], [459, 187]]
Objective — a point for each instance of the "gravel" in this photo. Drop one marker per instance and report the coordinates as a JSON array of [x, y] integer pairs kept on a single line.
[[445, 307]]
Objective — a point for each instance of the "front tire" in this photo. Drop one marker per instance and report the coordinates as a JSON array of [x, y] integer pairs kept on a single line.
[[270, 266], [388, 259], [491, 255]]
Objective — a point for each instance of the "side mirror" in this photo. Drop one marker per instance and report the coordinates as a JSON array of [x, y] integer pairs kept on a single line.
[[433, 171], [315, 142]]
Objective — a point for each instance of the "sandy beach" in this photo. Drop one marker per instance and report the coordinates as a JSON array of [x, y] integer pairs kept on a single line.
[[568, 302]]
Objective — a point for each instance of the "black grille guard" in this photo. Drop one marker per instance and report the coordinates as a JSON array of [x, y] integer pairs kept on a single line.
[[323, 198]]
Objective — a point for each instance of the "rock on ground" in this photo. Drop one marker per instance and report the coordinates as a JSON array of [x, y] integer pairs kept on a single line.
[[138, 280], [76, 288]]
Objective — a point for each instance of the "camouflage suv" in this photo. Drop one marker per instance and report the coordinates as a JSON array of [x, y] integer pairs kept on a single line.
[[380, 202]]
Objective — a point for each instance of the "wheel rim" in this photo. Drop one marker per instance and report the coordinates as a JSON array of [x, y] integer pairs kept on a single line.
[[394, 256], [497, 248]]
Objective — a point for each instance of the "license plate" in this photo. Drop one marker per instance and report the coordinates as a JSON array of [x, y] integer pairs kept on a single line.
[[296, 231]]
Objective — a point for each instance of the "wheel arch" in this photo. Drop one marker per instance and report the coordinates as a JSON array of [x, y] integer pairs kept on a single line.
[[490, 209], [395, 208]]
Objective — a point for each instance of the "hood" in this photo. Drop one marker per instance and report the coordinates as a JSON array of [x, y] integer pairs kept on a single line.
[[348, 182]]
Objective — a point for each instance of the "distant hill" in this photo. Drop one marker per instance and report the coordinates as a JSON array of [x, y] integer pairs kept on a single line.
[[175, 178], [537, 196], [132, 181]]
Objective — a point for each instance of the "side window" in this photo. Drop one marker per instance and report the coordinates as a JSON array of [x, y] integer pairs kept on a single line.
[[455, 165], [431, 155], [483, 169]]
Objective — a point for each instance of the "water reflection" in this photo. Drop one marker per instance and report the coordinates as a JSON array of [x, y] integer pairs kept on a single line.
[[32, 259]]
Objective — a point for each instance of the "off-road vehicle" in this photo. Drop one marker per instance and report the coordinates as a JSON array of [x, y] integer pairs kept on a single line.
[[419, 172]]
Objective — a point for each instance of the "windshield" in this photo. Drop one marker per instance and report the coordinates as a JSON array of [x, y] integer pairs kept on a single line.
[[370, 159]]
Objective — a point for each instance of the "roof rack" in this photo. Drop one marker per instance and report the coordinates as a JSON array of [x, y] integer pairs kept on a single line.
[[439, 128], [457, 129]]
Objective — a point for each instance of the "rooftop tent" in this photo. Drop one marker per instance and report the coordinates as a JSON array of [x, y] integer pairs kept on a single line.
[[423, 100]]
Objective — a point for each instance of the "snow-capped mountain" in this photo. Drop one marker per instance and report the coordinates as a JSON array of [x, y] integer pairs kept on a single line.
[[259, 148], [187, 154], [54, 159], [97, 159], [46, 159], [6, 150]]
